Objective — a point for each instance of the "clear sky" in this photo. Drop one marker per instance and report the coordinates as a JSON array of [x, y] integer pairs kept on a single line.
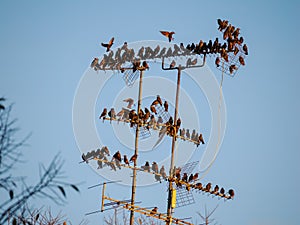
[[47, 46]]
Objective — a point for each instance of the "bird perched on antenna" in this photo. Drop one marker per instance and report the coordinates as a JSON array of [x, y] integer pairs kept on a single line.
[[109, 44], [133, 158], [168, 34], [103, 114]]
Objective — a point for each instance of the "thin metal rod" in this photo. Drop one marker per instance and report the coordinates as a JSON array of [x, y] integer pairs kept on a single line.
[[136, 148], [169, 212], [103, 192]]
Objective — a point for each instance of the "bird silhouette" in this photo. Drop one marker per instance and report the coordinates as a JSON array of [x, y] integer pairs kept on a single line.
[[217, 62], [145, 65], [222, 24], [231, 193], [166, 106], [241, 60], [130, 102], [146, 167], [170, 121], [185, 177], [163, 172], [190, 178], [195, 177], [188, 135], [245, 49], [154, 167], [168, 34], [232, 68], [117, 156], [159, 100], [109, 44], [208, 187], [153, 211], [172, 64], [216, 189], [201, 139], [153, 109], [94, 62], [126, 160], [222, 191], [133, 158], [103, 114], [112, 114]]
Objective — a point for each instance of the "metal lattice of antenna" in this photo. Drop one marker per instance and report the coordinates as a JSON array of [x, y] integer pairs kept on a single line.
[[143, 133], [232, 60], [162, 113], [185, 197], [130, 77]]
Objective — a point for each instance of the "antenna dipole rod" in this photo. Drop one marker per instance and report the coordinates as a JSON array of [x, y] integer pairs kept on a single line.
[[102, 202], [169, 213], [136, 147]]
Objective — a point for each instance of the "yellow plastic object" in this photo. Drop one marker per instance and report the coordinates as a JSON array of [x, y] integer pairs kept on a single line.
[[173, 203]]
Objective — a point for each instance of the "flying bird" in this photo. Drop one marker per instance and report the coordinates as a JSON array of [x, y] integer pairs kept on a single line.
[[222, 24], [130, 102], [109, 44], [168, 34]]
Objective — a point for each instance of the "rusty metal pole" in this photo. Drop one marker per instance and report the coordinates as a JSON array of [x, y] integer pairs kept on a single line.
[[169, 213], [136, 147]]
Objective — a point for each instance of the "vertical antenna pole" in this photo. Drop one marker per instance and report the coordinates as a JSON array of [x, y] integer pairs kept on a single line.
[[169, 213], [102, 202], [136, 148]]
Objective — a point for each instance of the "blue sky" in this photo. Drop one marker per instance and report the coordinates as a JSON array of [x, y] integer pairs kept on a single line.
[[47, 46]]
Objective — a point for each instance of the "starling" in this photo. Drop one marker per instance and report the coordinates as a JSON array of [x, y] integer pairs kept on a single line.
[[159, 100], [241, 60], [145, 65], [222, 191], [163, 172], [121, 113], [188, 135], [130, 102], [201, 139], [191, 178], [154, 167], [146, 167], [153, 211], [173, 63], [168, 34], [103, 114], [185, 177], [100, 164], [126, 160], [195, 177], [178, 123], [153, 109], [133, 158], [232, 68], [245, 49], [231, 193], [166, 106], [216, 189], [198, 186], [208, 187], [105, 150], [222, 24], [117, 156], [108, 46], [94, 62], [171, 120]]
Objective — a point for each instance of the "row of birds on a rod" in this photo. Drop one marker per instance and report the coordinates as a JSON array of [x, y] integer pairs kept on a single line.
[[180, 179], [234, 44], [145, 118]]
